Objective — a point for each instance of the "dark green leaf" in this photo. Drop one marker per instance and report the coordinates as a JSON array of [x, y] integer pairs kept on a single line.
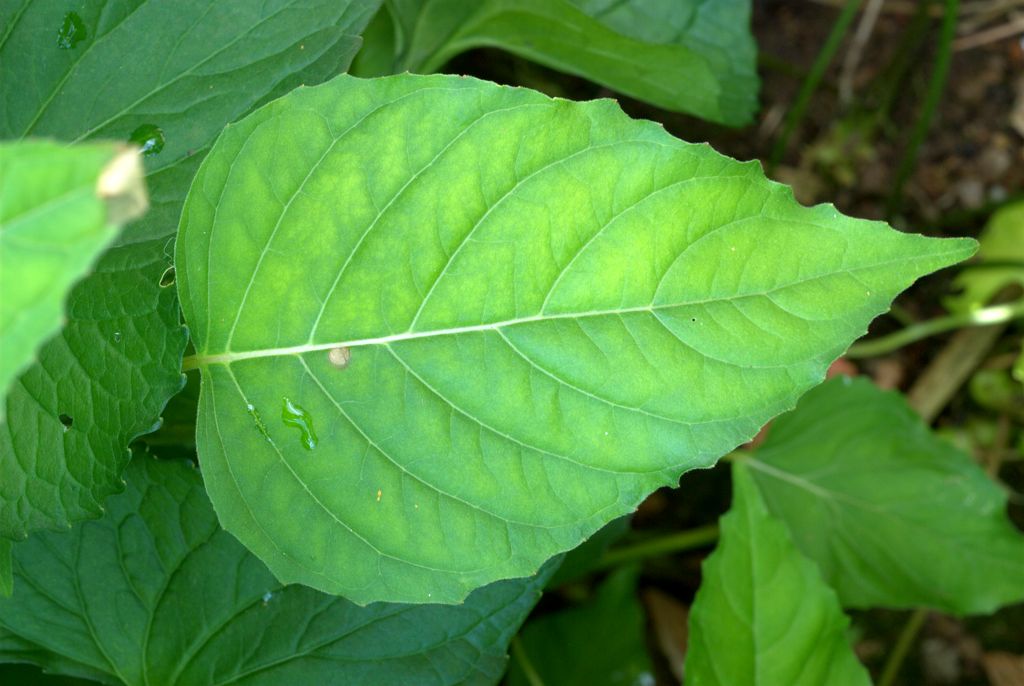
[[893, 515], [167, 74], [156, 593], [694, 56], [599, 643], [523, 317], [195, 65], [763, 614]]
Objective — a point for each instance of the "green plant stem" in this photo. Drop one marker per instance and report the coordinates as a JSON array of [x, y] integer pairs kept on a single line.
[[520, 656], [936, 86], [899, 651], [673, 543], [986, 316], [810, 84]]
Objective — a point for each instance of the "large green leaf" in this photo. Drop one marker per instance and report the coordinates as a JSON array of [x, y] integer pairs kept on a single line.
[[59, 208], [156, 592], [694, 56], [893, 515], [763, 614], [114, 69], [448, 329], [598, 643]]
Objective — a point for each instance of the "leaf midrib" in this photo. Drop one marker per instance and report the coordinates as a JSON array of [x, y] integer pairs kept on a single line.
[[203, 359]]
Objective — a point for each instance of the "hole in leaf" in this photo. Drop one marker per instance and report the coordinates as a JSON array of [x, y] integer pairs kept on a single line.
[[66, 421], [167, 278]]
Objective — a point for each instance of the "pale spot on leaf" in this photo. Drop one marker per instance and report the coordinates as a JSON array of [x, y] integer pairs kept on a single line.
[[339, 357]]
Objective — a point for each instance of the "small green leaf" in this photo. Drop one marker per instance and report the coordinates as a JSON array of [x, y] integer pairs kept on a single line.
[[684, 55], [1001, 241], [59, 209], [508, 319], [195, 66], [763, 614], [599, 643], [889, 511], [156, 593]]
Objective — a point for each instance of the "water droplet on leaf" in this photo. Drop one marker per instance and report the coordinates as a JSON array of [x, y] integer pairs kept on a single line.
[[293, 415], [150, 138], [266, 597], [66, 421], [117, 336], [71, 31]]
